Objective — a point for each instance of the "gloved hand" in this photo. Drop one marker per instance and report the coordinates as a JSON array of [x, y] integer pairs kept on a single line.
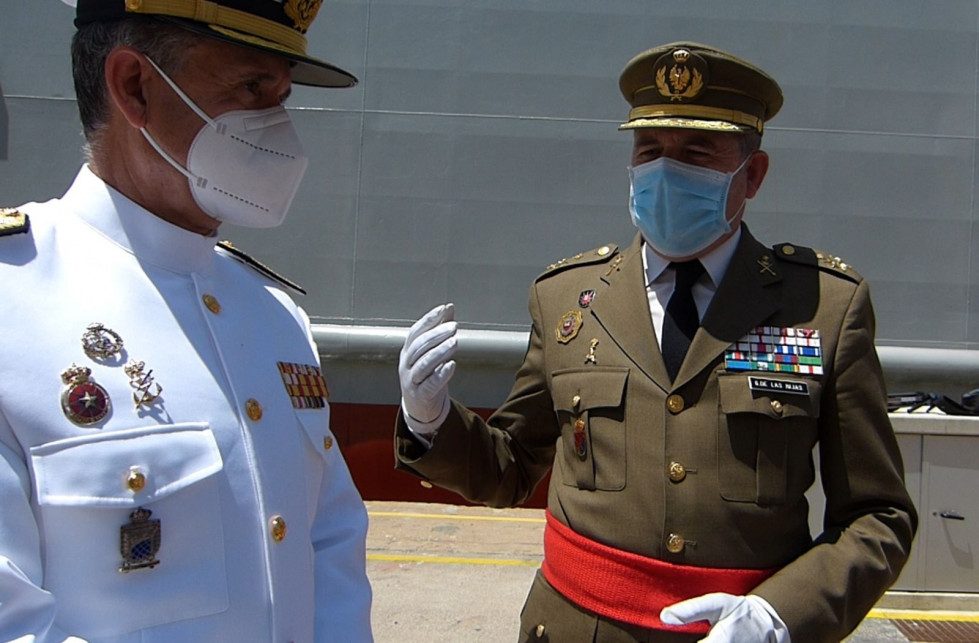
[[425, 368], [734, 619]]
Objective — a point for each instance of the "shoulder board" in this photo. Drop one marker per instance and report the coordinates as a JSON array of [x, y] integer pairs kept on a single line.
[[13, 221], [822, 260], [259, 266], [598, 255]]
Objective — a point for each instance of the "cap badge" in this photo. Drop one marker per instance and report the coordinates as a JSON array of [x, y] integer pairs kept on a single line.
[[83, 401], [568, 326], [139, 541], [302, 12], [684, 80]]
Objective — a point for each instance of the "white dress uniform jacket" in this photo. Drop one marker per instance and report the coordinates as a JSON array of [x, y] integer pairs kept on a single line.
[[262, 532]]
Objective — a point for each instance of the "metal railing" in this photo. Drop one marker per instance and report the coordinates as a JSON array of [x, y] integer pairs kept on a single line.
[[951, 371]]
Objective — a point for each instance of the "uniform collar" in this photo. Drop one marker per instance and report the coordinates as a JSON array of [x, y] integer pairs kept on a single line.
[[135, 229], [715, 262]]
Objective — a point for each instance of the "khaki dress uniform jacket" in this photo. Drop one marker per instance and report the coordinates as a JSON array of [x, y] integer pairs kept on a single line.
[[261, 532], [703, 471]]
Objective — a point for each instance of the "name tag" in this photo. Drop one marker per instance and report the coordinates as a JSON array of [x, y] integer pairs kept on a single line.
[[778, 386]]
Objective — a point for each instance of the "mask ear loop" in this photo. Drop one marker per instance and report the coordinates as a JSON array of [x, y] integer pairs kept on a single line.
[[186, 99], [199, 181], [744, 203]]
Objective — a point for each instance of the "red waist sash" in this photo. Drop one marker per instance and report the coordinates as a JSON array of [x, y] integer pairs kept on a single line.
[[630, 588]]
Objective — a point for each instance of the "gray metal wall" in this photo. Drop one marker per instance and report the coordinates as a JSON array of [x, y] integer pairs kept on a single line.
[[481, 145]]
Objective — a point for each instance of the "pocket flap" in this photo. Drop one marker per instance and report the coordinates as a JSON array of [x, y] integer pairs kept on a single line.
[[776, 397], [316, 425], [124, 468], [592, 387]]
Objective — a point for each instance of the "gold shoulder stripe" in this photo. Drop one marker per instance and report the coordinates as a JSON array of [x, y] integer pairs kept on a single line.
[[257, 265], [13, 221]]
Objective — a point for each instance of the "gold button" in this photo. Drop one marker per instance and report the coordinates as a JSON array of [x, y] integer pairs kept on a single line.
[[575, 401], [675, 543], [136, 481], [327, 443], [677, 472], [277, 526], [674, 403], [777, 407], [212, 303], [540, 631], [426, 484], [604, 250], [788, 250], [253, 409]]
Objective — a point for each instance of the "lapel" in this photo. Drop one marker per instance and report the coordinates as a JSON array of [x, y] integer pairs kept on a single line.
[[622, 309], [746, 297]]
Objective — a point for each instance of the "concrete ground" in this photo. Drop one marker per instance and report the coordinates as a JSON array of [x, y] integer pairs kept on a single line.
[[453, 573]]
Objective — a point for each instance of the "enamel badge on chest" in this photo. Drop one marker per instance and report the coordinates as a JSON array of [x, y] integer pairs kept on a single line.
[[568, 326], [139, 541], [83, 401]]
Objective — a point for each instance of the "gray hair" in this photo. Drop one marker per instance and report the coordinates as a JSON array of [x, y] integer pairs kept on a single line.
[[166, 44]]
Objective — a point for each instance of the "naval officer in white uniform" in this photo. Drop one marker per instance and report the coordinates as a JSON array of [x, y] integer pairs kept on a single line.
[[167, 471]]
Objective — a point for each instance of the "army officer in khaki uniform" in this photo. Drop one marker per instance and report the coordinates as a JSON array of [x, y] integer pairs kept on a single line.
[[676, 389]]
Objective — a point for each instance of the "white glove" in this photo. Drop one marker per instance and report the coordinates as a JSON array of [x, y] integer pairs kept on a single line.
[[425, 368], [734, 619]]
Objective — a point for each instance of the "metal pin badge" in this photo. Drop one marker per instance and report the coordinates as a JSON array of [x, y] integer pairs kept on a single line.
[[139, 541], [766, 265], [143, 383], [586, 297], [568, 326], [83, 401], [590, 357], [101, 343], [581, 439]]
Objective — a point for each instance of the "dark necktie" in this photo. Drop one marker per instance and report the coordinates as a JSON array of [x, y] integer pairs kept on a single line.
[[681, 320]]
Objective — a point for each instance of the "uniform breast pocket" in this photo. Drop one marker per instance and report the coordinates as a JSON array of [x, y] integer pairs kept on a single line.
[[102, 553], [589, 404], [767, 427]]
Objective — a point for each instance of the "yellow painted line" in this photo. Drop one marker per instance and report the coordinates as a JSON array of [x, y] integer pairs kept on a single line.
[[397, 514], [447, 560], [931, 615], [885, 614]]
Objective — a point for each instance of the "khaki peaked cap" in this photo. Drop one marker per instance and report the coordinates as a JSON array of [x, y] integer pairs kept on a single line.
[[690, 85]]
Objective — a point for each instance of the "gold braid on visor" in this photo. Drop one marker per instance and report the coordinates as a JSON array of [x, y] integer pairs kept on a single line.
[[219, 16], [694, 112]]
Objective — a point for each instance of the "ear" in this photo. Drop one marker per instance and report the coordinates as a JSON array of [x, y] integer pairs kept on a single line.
[[756, 170], [126, 75]]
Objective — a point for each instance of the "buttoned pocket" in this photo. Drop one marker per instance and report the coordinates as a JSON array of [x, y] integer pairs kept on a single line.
[[589, 404], [767, 428], [89, 489]]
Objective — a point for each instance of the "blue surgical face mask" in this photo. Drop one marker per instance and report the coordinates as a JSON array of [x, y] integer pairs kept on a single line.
[[680, 209]]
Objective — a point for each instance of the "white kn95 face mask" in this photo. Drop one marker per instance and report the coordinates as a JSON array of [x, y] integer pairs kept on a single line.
[[244, 166]]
